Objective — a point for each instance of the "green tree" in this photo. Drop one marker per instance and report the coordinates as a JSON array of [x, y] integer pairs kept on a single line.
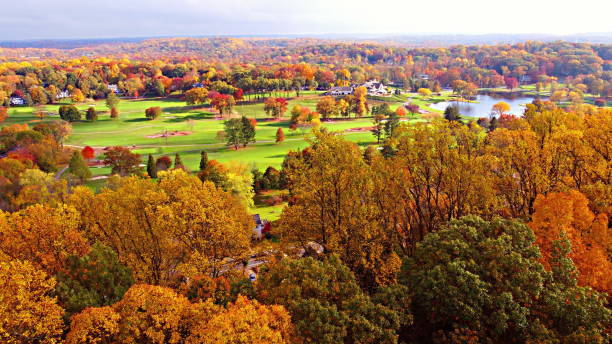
[[112, 100], [94, 280], [391, 124], [203, 160], [378, 128], [78, 166], [91, 114], [151, 167], [451, 113], [178, 163], [326, 303], [69, 113], [233, 132], [485, 277], [248, 131]]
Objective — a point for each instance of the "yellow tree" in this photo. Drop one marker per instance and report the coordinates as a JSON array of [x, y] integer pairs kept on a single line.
[[438, 173], [210, 224], [43, 235], [28, 314], [327, 107], [424, 92], [245, 321], [360, 103], [334, 207], [500, 108], [196, 95], [94, 325]]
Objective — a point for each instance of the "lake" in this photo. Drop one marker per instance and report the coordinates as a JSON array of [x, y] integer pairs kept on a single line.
[[484, 104]]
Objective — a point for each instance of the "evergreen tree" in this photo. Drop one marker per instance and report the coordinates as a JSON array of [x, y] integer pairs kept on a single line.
[[452, 113], [248, 131], [377, 129], [151, 167], [203, 160], [493, 124], [178, 163], [91, 114], [391, 124], [96, 279], [78, 167]]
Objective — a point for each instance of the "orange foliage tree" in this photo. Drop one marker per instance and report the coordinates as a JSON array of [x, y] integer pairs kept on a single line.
[[568, 212]]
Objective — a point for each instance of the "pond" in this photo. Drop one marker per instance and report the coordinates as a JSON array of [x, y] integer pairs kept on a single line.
[[484, 104]]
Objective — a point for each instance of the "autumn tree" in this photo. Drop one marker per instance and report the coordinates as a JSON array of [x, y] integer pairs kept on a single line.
[[378, 128], [114, 113], [275, 107], [178, 162], [28, 312], [424, 92], [400, 111], [359, 101], [122, 161], [245, 321], [500, 108], [88, 153], [335, 187], [153, 112], [568, 213], [325, 302], [44, 235], [280, 135], [327, 107], [197, 95], [77, 96]]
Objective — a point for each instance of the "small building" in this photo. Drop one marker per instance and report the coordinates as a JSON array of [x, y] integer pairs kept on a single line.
[[423, 77], [340, 91], [17, 101], [375, 88], [63, 94], [259, 226], [113, 88]]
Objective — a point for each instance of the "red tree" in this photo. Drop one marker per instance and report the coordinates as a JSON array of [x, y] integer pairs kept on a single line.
[[87, 153]]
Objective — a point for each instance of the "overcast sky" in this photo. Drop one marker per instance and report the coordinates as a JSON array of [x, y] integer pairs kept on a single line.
[[35, 19]]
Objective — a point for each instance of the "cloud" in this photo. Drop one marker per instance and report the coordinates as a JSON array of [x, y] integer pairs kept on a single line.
[[133, 18]]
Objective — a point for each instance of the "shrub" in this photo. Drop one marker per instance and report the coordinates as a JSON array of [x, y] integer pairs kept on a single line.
[[153, 112]]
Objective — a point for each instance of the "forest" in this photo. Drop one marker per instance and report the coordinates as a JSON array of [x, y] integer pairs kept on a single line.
[[128, 193]]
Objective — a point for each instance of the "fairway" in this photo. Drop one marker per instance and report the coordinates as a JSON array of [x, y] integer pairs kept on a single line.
[[202, 124]]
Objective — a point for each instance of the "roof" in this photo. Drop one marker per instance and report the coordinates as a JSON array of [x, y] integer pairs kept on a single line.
[[341, 89], [257, 219]]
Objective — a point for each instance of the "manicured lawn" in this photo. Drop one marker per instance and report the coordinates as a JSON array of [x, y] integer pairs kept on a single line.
[[132, 129]]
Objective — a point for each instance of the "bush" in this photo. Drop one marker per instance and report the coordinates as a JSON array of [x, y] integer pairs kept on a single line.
[[153, 112], [114, 113]]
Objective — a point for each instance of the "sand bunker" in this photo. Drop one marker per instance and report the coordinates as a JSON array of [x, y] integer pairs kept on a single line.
[[359, 129], [169, 134]]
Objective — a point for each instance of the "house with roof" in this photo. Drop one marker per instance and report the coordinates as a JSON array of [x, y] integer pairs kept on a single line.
[[340, 91], [375, 88], [423, 77], [113, 88], [63, 94], [17, 101]]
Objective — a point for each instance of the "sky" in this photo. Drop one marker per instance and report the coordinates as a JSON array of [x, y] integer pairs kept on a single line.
[[63, 19]]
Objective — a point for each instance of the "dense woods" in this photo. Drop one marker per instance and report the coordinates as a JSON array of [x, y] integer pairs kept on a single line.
[[443, 231]]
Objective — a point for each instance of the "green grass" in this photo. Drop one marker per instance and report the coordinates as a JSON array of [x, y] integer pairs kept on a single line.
[[131, 129]]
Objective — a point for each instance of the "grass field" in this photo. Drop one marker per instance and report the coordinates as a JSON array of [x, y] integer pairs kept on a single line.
[[132, 128]]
